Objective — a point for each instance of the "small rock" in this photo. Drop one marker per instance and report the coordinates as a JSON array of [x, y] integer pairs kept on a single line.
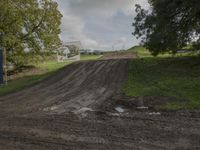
[[143, 107], [83, 110]]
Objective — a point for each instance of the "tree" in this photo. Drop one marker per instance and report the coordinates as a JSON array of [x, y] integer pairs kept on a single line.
[[28, 26], [168, 25]]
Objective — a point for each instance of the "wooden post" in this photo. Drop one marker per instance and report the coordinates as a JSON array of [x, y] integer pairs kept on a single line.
[[5, 66]]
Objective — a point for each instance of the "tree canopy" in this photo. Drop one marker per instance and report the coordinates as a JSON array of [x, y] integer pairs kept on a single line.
[[168, 25], [28, 25]]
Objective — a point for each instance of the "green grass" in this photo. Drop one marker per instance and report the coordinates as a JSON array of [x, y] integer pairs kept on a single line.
[[50, 66], [144, 53], [177, 78], [45, 69], [16, 85], [141, 51], [90, 57]]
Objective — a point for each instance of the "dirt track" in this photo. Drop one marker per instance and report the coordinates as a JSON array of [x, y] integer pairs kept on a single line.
[[75, 109]]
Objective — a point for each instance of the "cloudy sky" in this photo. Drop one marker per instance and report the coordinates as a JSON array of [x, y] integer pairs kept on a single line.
[[99, 24]]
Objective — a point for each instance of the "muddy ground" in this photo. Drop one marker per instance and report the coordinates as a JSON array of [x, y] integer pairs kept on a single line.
[[82, 107]]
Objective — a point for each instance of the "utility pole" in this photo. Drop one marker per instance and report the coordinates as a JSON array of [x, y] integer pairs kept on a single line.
[[113, 47]]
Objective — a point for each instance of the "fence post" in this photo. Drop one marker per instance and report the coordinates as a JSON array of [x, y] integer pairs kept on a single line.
[[5, 67]]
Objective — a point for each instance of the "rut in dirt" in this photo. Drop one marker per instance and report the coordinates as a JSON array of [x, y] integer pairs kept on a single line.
[[79, 85], [50, 115]]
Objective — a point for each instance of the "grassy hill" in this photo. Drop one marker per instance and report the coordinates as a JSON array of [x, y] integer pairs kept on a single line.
[[141, 51], [39, 72], [177, 78]]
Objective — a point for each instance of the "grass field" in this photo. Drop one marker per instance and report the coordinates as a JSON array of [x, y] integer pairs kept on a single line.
[[90, 57], [175, 77], [44, 69], [141, 51], [144, 53]]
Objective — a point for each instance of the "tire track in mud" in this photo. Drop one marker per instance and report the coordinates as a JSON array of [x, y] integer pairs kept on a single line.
[[24, 124], [79, 85], [112, 133]]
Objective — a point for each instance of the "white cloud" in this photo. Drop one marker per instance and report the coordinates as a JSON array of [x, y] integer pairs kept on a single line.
[[105, 8], [122, 40], [72, 25], [95, 22], [89, 43], [73, 29]]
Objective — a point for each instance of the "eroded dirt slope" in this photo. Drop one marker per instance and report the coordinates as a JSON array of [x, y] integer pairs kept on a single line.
[[82, 108], [80, 85]]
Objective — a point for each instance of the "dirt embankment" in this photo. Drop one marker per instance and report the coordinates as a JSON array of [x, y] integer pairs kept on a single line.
[[82, 108], [119, 55], [80, 85]]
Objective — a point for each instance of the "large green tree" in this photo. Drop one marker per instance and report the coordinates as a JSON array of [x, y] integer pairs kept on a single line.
[[168, 25], [28, 26]]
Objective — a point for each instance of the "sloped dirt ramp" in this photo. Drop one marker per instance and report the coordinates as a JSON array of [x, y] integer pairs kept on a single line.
[[78, 86], [70, 111]]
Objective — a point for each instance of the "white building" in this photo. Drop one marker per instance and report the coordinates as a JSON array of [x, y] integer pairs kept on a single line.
[[69, 51]]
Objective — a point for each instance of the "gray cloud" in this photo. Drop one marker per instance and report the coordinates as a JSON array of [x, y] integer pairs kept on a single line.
[[105, 8], [99, 24]]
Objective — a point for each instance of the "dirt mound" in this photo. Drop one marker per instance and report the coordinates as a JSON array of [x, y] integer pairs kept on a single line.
[[81, 108], [119, 55], [78, 86]]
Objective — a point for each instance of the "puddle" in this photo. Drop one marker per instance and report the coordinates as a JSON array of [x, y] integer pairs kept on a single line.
[[115, 114], [155, 113], [119, 109], [50, 108], [143, 107]]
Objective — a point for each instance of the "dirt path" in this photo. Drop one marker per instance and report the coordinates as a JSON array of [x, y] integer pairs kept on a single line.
[[76, 109], [80, 85]]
